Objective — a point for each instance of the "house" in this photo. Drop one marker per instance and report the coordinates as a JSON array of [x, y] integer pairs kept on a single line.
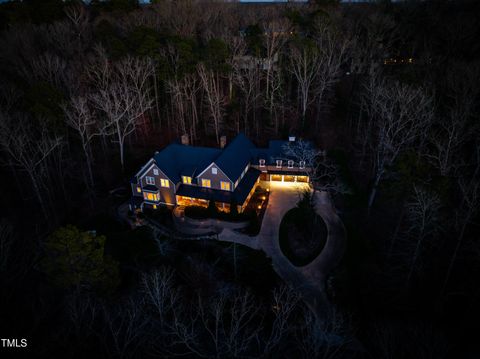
[[190, 175]]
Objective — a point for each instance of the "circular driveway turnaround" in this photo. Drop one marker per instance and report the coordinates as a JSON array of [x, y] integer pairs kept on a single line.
[[309, 280]]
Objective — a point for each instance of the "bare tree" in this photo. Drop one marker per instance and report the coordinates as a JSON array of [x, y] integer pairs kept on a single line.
[[322, 171], [470, 196], [28, 150], [123, 332], [332, 47], [400, 114], [304, 67], [79, 116], [277, 31], [247, 77], [123, 98], [326, 339], [214, 96], [423, 222]]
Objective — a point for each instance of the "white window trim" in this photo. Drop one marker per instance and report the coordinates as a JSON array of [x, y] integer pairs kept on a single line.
[[261, 162], [279, 163], [302, 164], [155, 171], [150, 180], [290, 164], [214, 170]]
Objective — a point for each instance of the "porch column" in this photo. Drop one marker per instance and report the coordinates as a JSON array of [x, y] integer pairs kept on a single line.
[[282, 178]]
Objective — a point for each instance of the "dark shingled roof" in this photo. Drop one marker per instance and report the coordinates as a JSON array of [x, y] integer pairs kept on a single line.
[[177, 159], [235, 157], [150, 188], [272, 153], [239, 195]]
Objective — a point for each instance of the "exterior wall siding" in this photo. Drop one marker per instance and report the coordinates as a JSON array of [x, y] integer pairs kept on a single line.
[[215, 180], [167, 194]]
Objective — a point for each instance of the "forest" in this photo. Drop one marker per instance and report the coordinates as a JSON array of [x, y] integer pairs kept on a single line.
[[390, 91]]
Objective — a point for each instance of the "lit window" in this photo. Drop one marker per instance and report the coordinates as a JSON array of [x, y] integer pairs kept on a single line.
[[154, 206], [164, 182], [262, 163], [214, 170], [155, 172], [139, 190], [206, 183], [290, 164], [279, 163], [150, 196], [302, 164], [187, 180], [150, 180], [225, 185]]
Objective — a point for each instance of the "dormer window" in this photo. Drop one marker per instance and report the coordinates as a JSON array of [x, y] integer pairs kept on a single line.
[[261, 163], [302, 164], [290, 164], [279, 163], [187, 180], [214, 170]]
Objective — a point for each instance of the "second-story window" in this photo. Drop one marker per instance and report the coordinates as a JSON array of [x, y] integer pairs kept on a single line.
[[214, 170], [206, 183], [279, 163], [225, 185], [149, 180], [164, 183], [290, 164], [155, 172], [261, 163], [302, 164], [187, 180]]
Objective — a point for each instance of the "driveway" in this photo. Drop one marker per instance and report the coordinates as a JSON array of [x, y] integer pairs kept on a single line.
[[309, 280]]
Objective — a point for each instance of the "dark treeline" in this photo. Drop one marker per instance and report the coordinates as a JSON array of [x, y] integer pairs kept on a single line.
[[390, 91]]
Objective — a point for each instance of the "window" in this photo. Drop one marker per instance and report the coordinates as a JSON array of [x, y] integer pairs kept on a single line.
[[187, 180], [150, 180], [139, 190], [225, 185], [150, 196], [206, 183], [154, 206], [261, 163], [155, 172], [302, 164], [164, 182], [279, 163], [290, 164], [214, 170]]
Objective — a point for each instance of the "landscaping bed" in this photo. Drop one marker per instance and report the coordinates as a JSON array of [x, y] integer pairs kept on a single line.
[[303, 235]]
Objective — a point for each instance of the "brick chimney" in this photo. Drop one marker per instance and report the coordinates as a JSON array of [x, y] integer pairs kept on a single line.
[[185, 140], [223, 141]]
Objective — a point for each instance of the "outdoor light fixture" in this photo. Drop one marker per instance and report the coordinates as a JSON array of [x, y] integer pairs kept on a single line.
[[259, 206]]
